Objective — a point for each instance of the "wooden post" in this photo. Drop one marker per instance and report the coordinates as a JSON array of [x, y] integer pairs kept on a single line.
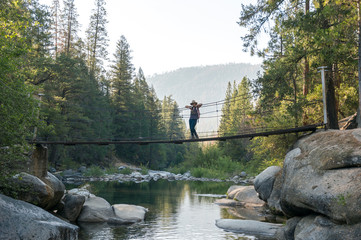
[[323, 93], [39, 161]]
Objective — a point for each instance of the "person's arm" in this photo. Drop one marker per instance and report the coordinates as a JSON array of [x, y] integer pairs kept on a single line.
[[188, 106], [199, 105]]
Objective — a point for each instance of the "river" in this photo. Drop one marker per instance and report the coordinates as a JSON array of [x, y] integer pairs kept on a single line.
[[181, 210]]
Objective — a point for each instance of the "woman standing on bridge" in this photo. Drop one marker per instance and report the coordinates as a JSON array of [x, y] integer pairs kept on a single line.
[[194, 107]]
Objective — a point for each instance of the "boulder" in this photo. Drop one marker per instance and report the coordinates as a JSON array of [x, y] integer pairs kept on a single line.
[[322, 174], [45, 193], [96, 209], [288, 231], [245, 194], [33, 190], [255, 228], [81, 191], [58, 188], [263, 183], [72, 207], [129, 213], [243, 174], [273, 200], [315, 227], [21, 220]]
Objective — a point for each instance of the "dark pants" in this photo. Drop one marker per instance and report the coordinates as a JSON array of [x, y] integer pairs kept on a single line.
[[192, 125]]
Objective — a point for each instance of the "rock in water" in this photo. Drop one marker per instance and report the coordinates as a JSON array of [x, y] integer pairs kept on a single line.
[[263, 183], [129, 213], [21, 220], [72, 207], [96, 209], [244, 194], [255, 228]]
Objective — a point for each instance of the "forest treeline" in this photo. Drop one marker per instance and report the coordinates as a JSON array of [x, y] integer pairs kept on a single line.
[[55, 86]]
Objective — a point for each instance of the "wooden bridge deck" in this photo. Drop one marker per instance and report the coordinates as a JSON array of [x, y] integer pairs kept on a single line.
[[308, 128]]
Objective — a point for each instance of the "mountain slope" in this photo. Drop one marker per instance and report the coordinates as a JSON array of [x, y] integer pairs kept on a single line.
[[204, 84]]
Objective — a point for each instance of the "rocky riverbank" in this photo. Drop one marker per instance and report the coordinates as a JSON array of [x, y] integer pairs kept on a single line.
[[77, 177], [318, 190], [45, 210], [40, 196]]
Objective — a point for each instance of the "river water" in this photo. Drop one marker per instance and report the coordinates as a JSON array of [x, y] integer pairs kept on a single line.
[[177, 210]]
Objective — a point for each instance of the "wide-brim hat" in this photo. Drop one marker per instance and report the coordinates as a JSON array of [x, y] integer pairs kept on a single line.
[[194, 102]]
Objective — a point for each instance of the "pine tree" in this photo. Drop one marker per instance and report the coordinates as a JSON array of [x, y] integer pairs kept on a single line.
[[97, 38], [239, 121], [226, 111], [18, 106], [324, 33], [122, 98], [56, 26], [69, 26]]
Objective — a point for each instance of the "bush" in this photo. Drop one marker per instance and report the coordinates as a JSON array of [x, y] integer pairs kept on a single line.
[[111, 170], [144, 170], [210, 162], [126, 171], [94, 171], [207, 173]]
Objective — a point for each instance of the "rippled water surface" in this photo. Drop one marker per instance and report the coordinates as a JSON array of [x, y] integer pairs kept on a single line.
[[177, 210]]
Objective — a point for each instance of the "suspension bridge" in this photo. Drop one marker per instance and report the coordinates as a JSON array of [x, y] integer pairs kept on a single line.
[[250, 132], [264, 133]]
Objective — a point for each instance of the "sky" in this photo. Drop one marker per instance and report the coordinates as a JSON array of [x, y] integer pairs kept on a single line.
[[165, 35]]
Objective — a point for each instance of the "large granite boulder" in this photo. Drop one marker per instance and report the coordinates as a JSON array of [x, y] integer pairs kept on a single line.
[[263, 183], [322, 174], [58, 189], [73, 205], [317, 227], [45, 193], [322, 228], [33, 190], [273, 202], [22, 220], [96, 209]]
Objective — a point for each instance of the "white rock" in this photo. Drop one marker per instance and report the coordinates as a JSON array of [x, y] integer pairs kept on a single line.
[[129, 213]]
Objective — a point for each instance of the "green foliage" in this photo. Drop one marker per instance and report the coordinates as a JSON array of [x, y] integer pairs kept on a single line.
[[18, 107], [94, 171], [342, 199], [144, 170], [82, 101], [126, 171], [209, 162], [237, 119], [69, 163], [200, 172], [111, 170]]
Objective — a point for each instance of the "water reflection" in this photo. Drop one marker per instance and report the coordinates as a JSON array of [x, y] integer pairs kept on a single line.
[[177, 210]]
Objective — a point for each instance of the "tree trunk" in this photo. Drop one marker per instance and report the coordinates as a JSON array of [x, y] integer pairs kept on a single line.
[[306, 72], [332, 120], [358, 119]]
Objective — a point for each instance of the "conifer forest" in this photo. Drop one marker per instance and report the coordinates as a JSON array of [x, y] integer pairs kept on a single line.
[[56, 85]]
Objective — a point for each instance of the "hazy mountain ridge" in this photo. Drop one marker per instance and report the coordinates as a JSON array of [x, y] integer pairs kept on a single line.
[[203, 84]]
